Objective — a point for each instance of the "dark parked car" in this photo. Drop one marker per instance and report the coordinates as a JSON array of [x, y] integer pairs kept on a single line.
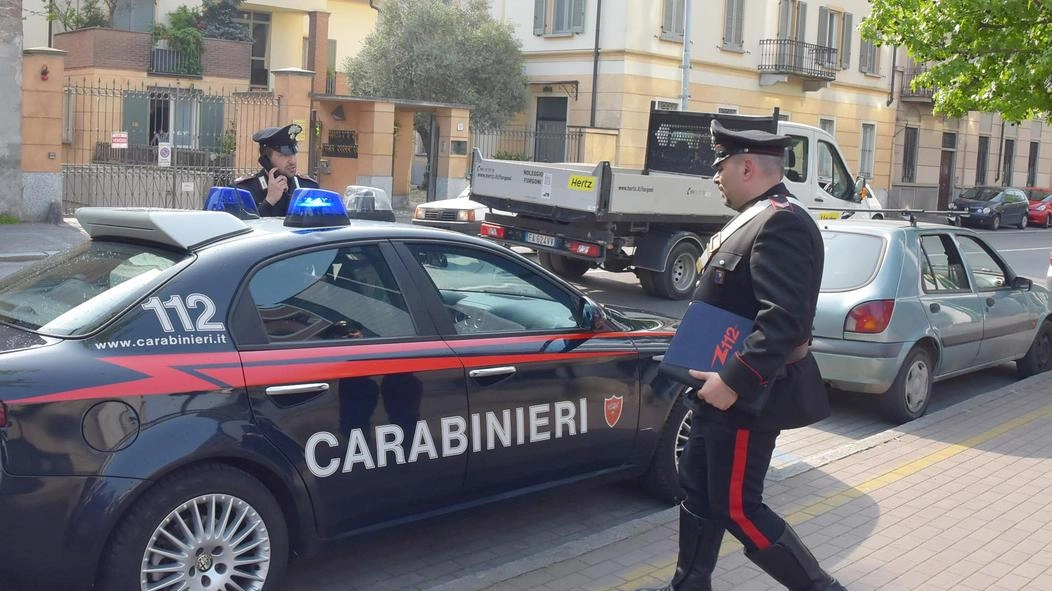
[[187, 399], [991, 207], [1040, 206]]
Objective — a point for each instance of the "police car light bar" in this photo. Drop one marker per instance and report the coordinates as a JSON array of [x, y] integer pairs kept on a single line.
[[316, 208], [236, 202]]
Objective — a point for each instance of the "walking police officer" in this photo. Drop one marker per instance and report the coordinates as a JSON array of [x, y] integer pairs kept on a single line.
[[272, 186], [766, 264]]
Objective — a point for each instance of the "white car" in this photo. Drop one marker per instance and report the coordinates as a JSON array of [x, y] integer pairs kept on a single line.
[[1048, 275], [459, 214]]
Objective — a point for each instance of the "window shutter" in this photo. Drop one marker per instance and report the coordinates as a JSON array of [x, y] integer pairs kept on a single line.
[[845, 47], [667, 14], [728, 23], [577, 26], [801, 22], [737, 23], [823, 24], [783, 18], [539, 7]]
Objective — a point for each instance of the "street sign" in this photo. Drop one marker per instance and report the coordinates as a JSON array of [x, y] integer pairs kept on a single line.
[[188, 186], [164, 154], [119, 140]]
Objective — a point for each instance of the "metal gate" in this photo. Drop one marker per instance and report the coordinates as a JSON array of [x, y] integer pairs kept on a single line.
[[155, 146]]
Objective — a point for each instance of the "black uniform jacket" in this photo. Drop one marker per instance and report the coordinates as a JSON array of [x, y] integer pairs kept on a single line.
[[257, 185], [770, 270]]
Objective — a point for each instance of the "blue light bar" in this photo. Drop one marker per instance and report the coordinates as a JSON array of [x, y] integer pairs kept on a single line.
[[316, 208], [236, 202]]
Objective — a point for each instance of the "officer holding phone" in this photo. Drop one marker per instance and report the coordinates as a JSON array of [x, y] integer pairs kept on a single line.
[[273, 185]]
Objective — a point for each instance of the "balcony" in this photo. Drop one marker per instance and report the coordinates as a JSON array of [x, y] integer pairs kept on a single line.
[[921, 95], [817, 65], [174, 63]]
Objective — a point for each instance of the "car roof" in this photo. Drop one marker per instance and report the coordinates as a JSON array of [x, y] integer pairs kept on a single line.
[[887, 227], [192, 230]]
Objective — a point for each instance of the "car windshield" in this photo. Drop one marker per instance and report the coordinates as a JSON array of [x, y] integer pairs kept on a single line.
[[980, 193], [77, 291], [851, 260]]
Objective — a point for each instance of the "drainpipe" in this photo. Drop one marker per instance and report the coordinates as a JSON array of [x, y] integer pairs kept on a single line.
[[595, 61], [684, 99], [1000, 152], [894, 65]]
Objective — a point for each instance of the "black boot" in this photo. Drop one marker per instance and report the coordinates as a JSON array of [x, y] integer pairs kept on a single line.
[[699, 546], [793, 565]]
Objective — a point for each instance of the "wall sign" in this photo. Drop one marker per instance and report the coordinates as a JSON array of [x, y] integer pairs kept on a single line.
[[343, 143]]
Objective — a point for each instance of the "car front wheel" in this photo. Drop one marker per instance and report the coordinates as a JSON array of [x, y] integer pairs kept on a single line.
[[1039, 357], [662, 477], [908, 397], [995, 223], [1023, 221], [1048, 221], [206, 527]]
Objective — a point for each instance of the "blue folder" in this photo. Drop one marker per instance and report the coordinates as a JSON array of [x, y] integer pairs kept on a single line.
[[707, 337]]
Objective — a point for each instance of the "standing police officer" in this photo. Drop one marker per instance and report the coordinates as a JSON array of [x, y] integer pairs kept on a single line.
[[272, 186], [766, 264]]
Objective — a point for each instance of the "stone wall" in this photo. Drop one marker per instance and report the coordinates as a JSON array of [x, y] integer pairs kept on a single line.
[[11, 107]]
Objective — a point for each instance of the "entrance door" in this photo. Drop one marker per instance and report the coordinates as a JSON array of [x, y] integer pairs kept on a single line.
[[551, 130], [945, 178]]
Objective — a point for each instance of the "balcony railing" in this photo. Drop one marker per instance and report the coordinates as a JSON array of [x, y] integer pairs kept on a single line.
[[171, 61], [808, 60], [907, 92]]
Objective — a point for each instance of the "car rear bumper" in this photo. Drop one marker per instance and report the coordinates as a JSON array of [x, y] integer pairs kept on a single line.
[[470, 228], [54, 528], [858, 366]]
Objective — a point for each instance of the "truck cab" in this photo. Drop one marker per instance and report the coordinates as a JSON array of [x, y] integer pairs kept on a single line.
[[815, 172]]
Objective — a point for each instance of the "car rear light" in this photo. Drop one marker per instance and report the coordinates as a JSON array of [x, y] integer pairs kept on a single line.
[[491, 231], [583, 248], [466, 215], [3, 415], [869, 317]]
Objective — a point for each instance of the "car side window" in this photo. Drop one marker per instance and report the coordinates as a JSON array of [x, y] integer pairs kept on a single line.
[[486, 293], [796, 160], [989, 273], [941, 266], [832, 173], [344, 293]]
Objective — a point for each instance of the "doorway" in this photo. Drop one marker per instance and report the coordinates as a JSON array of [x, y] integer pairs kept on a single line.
[[550, 144]]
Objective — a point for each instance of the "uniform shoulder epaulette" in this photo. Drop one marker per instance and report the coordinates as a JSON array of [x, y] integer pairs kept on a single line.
[[307, 178], [243, 179], [781, 204]]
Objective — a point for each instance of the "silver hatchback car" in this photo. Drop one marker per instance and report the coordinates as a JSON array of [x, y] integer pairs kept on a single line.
[[904, 305]]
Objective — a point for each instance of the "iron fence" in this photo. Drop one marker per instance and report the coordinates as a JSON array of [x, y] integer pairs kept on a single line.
[[151, 146], [559, 144], [171, 61], [907, 91], [788, 56]]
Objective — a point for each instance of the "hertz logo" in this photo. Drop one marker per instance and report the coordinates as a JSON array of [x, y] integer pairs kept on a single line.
[[581, 183], [730, 339]]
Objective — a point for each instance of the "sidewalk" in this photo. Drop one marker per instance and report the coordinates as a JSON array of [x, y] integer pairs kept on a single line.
[[960, 499]]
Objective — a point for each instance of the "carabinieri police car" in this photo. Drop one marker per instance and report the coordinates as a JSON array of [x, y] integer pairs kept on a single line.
[[189, 398]]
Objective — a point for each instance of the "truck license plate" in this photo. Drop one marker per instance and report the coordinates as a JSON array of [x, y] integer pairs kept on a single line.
[[540, 239]]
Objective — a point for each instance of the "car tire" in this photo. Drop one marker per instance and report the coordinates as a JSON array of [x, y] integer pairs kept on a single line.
[[910, 393], [569, 267], [544, 259], [995, 224], [163, 511], [1038, 357], [677, 281], [646, 281], [661, 479], [1023, 221], [1048, 221]]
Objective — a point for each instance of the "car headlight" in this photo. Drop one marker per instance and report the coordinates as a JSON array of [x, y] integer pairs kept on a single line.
[[418, 213], [1041, 208], [466, 215], [985, 210]]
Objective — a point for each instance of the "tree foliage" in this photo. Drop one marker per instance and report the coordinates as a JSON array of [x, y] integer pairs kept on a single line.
[[428, 50], [219, 20], [983, 55], [80, 15]]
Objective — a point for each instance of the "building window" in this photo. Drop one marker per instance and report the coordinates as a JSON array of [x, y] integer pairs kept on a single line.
[[909, 156], [733, 24], [672, 20], [1031, 165], [981, 160], [1006, 169], [868, 58], [558, 17], [258, 24], [834, 31], [866, 157], [949, 141]]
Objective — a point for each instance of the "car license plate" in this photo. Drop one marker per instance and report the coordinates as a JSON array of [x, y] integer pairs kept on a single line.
[[829, 215], [540, 239]]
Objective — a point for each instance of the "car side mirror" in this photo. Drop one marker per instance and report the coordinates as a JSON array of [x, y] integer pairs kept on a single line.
[[1022, 283], [592, 316], [861, 192]]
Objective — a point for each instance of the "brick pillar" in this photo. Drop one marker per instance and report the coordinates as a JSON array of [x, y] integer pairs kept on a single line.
[[11, 107], [318, 48], [43, 73], [403, 152], [453, 135], [292, 86], [376, 146]]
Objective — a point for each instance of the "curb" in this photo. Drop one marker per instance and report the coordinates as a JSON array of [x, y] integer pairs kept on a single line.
[[668, 517]]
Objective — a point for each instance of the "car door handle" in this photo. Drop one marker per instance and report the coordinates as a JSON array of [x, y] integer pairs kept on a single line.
[[297, 389], [934, 307], [819, 199], [990, 302], [492, 371]]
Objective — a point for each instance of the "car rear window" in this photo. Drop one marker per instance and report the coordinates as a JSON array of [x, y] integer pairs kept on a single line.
[[851, 260], [980, 193], [77, 291]]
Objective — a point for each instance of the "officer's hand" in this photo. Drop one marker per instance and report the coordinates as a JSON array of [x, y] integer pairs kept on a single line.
[[276, 185], [714, 391]]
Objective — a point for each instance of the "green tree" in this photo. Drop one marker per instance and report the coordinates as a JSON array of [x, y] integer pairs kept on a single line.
[[983, 55], [183, 34], [431, 50], [79, 15], [219, 20]]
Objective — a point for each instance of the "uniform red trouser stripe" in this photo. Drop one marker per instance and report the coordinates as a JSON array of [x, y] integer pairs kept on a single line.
[[737, 504]]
